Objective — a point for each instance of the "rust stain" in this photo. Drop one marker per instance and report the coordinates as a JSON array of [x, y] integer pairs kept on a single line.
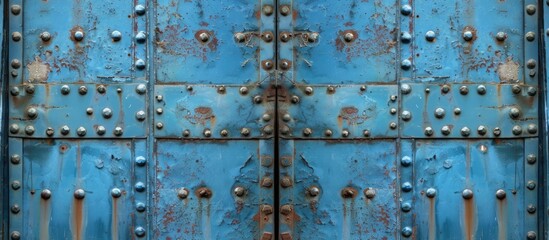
[[502, 219], [45, 213], [508, 71], [170, 41], [350, 114], [378, 40], [470, 219], [432, 220], [114, 219], [201, 115], [38, 70], [78, 219]]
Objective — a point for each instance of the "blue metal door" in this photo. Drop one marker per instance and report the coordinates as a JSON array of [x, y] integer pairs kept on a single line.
[[274, 119]]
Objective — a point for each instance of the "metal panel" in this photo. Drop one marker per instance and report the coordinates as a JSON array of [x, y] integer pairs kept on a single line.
[[209, 190]]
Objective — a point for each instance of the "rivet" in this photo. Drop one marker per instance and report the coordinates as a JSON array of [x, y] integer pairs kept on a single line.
[[482, 130], [116, 36], [142, 89], [294, 99], [65, 130], [107, 113], [445, 88], [286, 182], [119, 90], [531, 64], [285, 10], [431, 193], [267, 64], [465, 131], [501, 36], [15, 63], [118, 131], [457, 111], [29, 130], [406, 9], [309, 90], [224, 133], [516, 89], [348, 192], [366, 133], [267, 182], [268, 10], [82, 90], [406, 161], [15, 209], [428, 131], [140, 115], [140, 187], [78, 35], [16, 36], [140, 161], [501, 194], [307, 132], [345, 133], [267, 36], [427, 90], [140, 64], [393, 111], [348, 37], [392, 125], [406, 64], [267, 209], [370, 193], [81, 131], [464, 90], [268, 129], [140, 207], [239, 191], [532, 128], [45, 36], [15, 185], [285, 36], [393, 98], [243, 90], [159, 111], [101, 89], [313, 37], [531, 209], [286, 209], [440, 112], [406, 187], [266, 117], [362, 88], [467, 194], [32, 113], [468, 35], [481, 89], [186, 133], [405, 37], [531, 159], [139, 231], [239, 37], [159, 98], [65, 89], [532, 91], [204, 37], [497, 131], [14, 91], [141, 37], [517, 130], [313, 191], [15, 159], [257, 99], [50, 131], [430, 36], [405, 88], [182, 193], [15, 235], [245, 131], [204, 192], [14, 73], [159, 125], [116, 193], [45, 194], [531, 9], [406, 231], [330, 89], [445, 130], [406, 207], [266, 161], [530, 36], [286, 117], [79, 194], [406, 115], [15, 9], [328, 133], [207, 132], [531, 235], [139, 9], [531, 185], [100, 130]]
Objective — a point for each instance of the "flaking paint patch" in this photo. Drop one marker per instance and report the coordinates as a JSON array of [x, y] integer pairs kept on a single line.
[[38, 70], [508, 71]]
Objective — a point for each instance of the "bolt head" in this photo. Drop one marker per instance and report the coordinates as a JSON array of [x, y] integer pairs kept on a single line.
[[100, 130], [517, 130], [501, 36], [530, 36], [532, 91], [116, 192], [457, 111], [186, 133], [405, 88], [140, 64], [465, 131], [482, 130], [15, 9], [464, 90], [139, 187], [431, 192], [268, 10], [406, 161], [45, 36], [467, 35], [139, 9], [286, 182], [405, 37], [406, 10], [139, 231], [182, 193], [45, 194], [430, 36], [393, 125], [370, 193], [481, 89], [81, 131], [307, 132], [531, 9], [65, 89], [116, 35], [406, 232], [286, 209], [501, 194], [107, 113], [428, 131], [406, 115], [308, 90], [101, 89], [245, 131], [440, 113], [65, 130], [240, 37], [140, 161], [15, 159], [16, 36], [141, 37], [224, 133], [406, 187], [204, 37], [79, 194], [532, 128], [78, 35], [285, 10], [140, 115], [118, 131], [348, 192], [406, 64], [243, 90], [313, 191], [239, 191], [467, 194], [207, 133], [29, 130], [349, 37]]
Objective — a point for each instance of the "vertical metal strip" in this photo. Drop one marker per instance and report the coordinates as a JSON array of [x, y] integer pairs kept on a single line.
[[544, 115], [150, 142], [15, 44], [406, 178], [531, 190], [531, 40], [287, 162], [15, 187], [140, 40], [266, 213], [141, 187]]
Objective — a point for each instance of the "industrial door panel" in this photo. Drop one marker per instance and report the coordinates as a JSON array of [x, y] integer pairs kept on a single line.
[[74, 188], [213, 189], [80, 41], [359, 201], [212, 42]]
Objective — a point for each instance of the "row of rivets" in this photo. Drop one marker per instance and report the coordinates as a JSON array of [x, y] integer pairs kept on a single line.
[[481, 130], [224, 132], [65, 130], [82, 90], [116, 36]]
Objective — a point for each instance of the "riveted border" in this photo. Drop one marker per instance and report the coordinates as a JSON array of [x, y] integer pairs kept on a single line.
[[15, 185], [266, 194], [15, 47], [531, 49], [544, 112], [140, 175], [406, 174], [140, 47], [531, 207]]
